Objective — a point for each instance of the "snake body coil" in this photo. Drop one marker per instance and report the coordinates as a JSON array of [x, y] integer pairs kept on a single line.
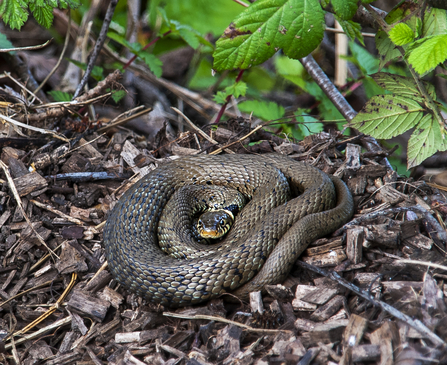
[[267, 237]]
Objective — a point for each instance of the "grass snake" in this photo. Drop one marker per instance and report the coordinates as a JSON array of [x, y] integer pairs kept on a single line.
[[268, 235]]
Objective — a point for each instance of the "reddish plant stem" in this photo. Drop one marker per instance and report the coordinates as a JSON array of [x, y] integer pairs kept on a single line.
[[146, 47], [227, 100]]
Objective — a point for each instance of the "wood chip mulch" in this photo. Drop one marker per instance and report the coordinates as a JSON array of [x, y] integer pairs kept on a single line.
[[372, 293]]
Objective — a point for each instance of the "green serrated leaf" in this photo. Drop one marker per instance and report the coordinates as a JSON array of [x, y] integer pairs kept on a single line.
[[118, 95], [401, 34], [435, 22], [296, 26], [237, 89], [153, 62], [387, 116], [345, 9], [403, 86], [364, 60], [97, 72], [307, 124], [427, 53], [43, 14], [291, 70], [4, 42], [387, 49], [14, 13], [426, 140], [134, 47], [262, 109], [352, 29], [60, 95], [220, 97], [64, 4], [189, 37]]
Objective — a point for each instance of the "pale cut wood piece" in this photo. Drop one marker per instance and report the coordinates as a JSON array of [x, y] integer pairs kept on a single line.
[[388, 235], [332, 258], [420, 241], [320, 296], [183, 151], [341, 314], [362, 353], [67, 342], [304, 325], [341, 51], [300, 292], [328, 310], [402, 286], [4, 217], [127, 337], [256, 302], [318, 250], [353, 156], [91, 307], [354, 243], [365, 279], [89, 149], [129, 153], [28, 183], [387, 337], [113, 297], [326, 332], [352, 336], [357, 185], [302, 306]]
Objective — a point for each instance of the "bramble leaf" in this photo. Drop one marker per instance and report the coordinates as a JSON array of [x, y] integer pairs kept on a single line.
[[153, 62], [435, 22], [262, 109], [345, 9], [42, 12], [14, 13], [295, 26], [403, 86], [401, 34], [387, 49], [237, 89], [352, 29], [4, 42], [117, 95], [58, 95], [307, 124], [427, 53], [426, 140], [386, 116]]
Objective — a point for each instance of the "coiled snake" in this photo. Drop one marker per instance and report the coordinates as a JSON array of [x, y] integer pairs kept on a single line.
[[267, 237]]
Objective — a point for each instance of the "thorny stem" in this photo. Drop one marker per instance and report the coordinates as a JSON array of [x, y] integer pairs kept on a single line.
[[146, 47], [227, 100], [422, 90]]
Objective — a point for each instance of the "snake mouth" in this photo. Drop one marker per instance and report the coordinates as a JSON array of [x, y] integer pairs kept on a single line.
[[215, 224], [213, 234]]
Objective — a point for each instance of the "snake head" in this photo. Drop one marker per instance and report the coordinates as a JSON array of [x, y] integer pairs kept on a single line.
[[215, 223]]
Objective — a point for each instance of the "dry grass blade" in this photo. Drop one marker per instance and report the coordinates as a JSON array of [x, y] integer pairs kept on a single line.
[[40, 130], [51, 310], [224, 320]]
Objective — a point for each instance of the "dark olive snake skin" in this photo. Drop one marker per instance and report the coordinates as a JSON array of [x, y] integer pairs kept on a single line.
[[267, 237]]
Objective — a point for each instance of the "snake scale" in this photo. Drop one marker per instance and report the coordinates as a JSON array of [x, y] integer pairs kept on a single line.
[[266, 238]]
